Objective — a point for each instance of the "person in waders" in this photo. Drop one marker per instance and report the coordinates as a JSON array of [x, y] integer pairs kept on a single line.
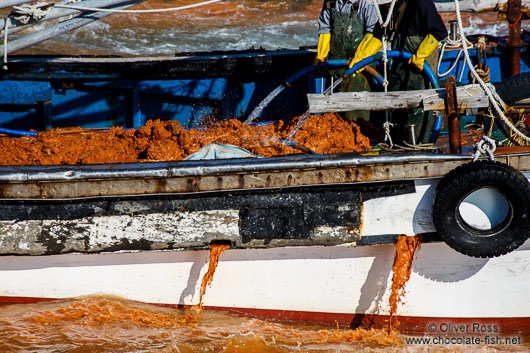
[[341, 27], [415, 27]]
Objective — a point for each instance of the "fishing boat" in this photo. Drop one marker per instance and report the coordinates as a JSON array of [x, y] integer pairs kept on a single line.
[[312, 236]]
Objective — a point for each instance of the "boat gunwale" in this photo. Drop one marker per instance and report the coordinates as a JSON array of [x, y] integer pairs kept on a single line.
[[45, 173]]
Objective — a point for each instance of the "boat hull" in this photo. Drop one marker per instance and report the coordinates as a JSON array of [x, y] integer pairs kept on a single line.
[[349, 285]]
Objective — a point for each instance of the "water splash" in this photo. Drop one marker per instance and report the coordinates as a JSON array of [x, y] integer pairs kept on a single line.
[[264, 103], [299, 124], [304, 117]]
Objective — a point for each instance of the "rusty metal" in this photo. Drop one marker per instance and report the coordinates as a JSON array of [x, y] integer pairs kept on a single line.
[[514, 36], [186, 177], [453, 116], [63, 183]]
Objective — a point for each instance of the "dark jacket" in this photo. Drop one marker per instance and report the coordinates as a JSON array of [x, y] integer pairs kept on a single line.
[[418, 17]]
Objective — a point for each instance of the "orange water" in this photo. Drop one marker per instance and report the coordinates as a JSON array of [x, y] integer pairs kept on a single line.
[[109, 324], [104, 324], [228, 25]]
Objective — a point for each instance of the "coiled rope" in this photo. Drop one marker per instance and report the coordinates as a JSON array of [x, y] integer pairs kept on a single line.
[[482, 69], [453, 44]]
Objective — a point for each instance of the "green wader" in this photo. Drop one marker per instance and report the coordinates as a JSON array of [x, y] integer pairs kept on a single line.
[[405, 77], [347, 32]]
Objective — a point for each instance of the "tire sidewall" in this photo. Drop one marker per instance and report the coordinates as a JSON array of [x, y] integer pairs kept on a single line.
[[460, 183]]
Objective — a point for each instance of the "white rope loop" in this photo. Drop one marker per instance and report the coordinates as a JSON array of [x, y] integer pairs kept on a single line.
[[453, 44], [25, 13], [388, 16], [387, 125], [485, 146], [82, 8]]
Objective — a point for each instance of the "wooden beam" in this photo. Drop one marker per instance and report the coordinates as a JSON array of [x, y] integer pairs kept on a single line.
[[470, 97]]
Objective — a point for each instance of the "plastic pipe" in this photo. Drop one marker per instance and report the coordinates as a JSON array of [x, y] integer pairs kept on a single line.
[[391, 54], [11, 132]]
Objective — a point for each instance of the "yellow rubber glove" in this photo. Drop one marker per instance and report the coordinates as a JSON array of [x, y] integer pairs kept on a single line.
[[427, 46], [324, 41], [369, 46]]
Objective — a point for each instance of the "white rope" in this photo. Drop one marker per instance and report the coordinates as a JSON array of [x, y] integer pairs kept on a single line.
[[493, 97], [453, 44], [82, 8], [6, 26], [388, 16], [485, 146], [387, 125], [25, 13], [28, 12], [385, 67], [385, 49]]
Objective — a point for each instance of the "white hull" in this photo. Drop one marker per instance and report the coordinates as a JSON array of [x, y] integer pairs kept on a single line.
[[285, 275], [331, 280]]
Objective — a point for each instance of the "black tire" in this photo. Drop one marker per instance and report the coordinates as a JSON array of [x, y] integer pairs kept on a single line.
[[459, 184], [512, 91]]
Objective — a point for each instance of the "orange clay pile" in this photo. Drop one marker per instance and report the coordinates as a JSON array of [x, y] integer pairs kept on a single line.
[[168, 141]]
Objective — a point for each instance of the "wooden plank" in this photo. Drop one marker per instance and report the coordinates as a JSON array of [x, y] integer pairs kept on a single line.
[[431, 99]]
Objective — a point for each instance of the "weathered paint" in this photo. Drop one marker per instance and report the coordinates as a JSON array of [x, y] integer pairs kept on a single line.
[[275, 218], [335, 280], [67, 182], [125, 232]]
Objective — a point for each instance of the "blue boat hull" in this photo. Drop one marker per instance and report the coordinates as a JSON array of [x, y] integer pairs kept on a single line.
[[99, 92]]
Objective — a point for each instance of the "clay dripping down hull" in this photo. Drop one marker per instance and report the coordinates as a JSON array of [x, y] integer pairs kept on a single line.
[[351, 285]]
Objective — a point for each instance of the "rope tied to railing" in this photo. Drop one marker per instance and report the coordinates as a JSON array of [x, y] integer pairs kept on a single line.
[[481, 68], [485, 146], [25, 13], [97, 9]]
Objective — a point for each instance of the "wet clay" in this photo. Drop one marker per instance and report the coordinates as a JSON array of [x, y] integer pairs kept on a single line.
[[168, 141], [406, 247], [215, 252]]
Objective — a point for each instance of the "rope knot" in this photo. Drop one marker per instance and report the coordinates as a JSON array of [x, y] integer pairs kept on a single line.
[[387, 125], [25, 13], [485, 146]]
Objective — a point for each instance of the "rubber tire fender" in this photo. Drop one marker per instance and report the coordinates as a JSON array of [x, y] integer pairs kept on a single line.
[[460, 183], [514, 89]]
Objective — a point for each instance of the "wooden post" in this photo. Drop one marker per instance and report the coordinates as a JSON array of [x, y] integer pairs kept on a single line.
[[514, 36], [453, 116]]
